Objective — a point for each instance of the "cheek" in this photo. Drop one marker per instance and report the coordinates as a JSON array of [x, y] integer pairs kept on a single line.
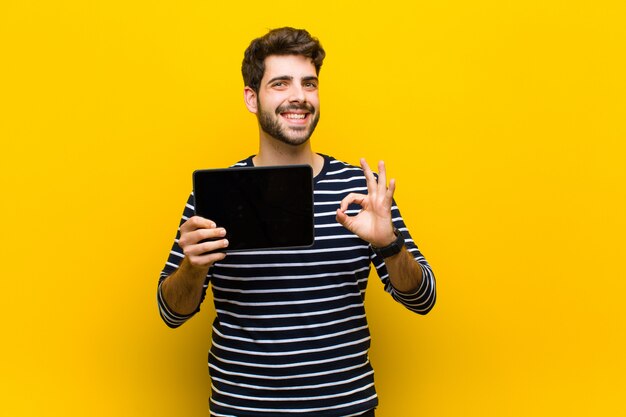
[[314, 99], [271, 103]]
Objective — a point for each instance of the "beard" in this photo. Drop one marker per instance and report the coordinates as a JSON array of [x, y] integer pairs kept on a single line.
[[291, 135]]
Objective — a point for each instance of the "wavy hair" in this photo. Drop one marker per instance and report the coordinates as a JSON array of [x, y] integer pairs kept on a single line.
[[281, 41]]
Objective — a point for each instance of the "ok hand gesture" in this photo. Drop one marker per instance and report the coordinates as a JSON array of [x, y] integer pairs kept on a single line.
[[373, 223]]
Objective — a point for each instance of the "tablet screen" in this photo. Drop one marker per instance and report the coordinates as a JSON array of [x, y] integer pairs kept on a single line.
[[260, 207]]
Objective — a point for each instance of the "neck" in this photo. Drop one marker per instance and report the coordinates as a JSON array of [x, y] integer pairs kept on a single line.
[[274, 152]]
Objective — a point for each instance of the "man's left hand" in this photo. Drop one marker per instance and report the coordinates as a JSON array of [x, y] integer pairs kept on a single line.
[[373, 223]]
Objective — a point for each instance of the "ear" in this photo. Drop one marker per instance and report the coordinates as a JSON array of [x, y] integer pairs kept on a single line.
[[250, 98]]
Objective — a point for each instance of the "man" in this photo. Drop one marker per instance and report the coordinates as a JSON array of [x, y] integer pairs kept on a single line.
[[290, 335]]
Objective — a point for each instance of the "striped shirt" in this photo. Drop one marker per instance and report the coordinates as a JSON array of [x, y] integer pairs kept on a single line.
[[290, 334]]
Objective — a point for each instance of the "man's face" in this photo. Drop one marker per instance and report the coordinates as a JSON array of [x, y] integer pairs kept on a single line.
[[287, 100]]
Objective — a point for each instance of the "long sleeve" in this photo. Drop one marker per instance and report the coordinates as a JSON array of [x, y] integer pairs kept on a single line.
[[423, 299], [170, 317]]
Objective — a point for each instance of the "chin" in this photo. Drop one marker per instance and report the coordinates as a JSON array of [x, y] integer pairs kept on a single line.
[[294, 141]]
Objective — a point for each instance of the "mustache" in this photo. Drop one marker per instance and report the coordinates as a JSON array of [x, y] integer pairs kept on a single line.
[[303, 106]]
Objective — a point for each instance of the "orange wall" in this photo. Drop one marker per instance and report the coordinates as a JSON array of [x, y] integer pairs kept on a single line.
[[503, 123]]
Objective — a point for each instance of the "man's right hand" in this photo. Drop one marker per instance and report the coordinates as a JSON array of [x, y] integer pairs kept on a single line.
[[200, 252]]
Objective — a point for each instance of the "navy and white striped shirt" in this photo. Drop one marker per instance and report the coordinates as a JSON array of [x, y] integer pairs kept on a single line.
[[290, 335]]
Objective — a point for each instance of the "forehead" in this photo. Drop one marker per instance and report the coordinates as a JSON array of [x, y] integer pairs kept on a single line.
[[296, 66]]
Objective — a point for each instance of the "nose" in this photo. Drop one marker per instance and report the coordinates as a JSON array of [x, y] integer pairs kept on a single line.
[[297, 94]]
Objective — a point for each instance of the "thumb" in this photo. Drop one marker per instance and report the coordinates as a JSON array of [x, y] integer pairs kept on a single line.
[[345, 220]]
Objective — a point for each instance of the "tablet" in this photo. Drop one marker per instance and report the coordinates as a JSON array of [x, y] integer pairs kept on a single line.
[[260, 207]]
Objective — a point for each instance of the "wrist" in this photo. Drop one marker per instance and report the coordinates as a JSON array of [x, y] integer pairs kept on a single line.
[[193, 271], [392, 248], [387, 240]]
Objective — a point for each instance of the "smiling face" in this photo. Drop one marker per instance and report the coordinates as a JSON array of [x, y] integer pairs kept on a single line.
[[287, 103]]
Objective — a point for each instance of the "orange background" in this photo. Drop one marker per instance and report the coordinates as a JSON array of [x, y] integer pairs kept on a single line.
[[503, 123]]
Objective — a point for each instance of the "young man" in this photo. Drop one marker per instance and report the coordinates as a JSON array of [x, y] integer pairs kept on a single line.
[[290, 336]]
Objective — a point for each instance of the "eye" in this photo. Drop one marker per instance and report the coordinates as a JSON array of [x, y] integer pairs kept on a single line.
[[310, 85]]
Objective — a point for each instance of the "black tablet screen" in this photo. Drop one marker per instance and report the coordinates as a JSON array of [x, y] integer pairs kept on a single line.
[[260, 207]]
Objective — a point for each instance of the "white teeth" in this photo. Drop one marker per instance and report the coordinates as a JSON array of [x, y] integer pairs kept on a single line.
[[295, 116]]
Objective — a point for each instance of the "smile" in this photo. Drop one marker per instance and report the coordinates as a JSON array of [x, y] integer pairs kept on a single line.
[[297, 118], [294, 116]]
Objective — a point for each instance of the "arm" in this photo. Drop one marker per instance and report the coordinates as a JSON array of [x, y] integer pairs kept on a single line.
[[407, 264], [407, 275], [180, 293], [404, 273]]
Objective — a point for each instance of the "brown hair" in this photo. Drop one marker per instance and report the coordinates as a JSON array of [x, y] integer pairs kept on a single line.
[[282, 41]]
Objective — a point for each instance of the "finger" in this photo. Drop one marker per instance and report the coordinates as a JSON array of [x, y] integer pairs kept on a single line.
[[204, 234], [207, 259], [352, 198], [344, 220], [390, 191], [198, 235], [369, 177], [196, 222], [212, 246], [382, 177], [205, 248]]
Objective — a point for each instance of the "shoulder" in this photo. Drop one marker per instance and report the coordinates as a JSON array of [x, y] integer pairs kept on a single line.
[[243, 163], [336, 168], [340, 178]]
